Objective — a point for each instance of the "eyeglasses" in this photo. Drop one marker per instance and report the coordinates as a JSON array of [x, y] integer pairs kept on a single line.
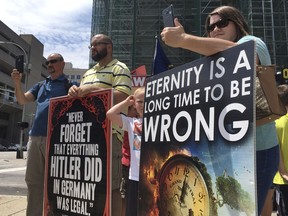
[[222, 23], [97, 44], [52, 61]]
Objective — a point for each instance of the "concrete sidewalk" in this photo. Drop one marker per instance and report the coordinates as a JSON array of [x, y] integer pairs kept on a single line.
[[16, 206], [13, 199], [13, 205]]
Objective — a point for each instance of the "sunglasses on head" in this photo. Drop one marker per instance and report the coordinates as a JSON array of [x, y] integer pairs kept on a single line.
[[52, 61], [220, 24]]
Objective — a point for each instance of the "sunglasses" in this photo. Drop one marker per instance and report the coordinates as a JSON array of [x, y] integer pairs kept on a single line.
[[222, 23], [97, 44], [52, 61]]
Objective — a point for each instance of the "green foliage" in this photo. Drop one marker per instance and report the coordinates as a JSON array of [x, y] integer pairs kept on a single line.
[[233, 195]]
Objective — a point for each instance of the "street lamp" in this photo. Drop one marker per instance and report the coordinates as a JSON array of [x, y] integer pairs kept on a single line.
[[21, 124]]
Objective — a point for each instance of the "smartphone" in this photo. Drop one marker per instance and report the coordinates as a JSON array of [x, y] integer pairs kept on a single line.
[[19, 63], [168, 16]]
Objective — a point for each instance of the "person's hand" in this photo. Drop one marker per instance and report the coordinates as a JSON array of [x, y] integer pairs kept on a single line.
[[85, 89], [16, 76], [173, 36], [73, 91], [130, 100]]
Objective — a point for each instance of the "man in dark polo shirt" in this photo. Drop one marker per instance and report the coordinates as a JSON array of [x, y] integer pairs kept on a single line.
[[56, 84]]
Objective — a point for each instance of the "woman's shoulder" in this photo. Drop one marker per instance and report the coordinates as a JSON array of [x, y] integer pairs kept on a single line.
[[250, 37], [261, 48]]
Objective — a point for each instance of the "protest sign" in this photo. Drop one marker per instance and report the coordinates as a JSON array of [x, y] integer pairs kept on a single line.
[[197, 151], [78, 156]]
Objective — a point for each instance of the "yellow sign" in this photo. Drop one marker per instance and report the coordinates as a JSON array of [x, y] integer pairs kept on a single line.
[[285, 73]]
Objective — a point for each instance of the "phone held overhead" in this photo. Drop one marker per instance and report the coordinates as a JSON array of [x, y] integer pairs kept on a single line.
[[168, 16], [19, 63]]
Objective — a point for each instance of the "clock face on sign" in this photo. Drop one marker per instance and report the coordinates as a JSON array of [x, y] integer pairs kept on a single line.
[[182, 188]]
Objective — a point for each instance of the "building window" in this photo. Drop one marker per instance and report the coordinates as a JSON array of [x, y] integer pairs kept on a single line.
[[2, 92], [11, 94], [7, 92]]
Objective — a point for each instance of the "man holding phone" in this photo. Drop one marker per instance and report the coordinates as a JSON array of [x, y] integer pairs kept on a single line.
[[56, 84], [19, 63]]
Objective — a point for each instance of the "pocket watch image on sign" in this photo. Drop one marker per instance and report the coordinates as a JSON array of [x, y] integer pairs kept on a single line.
[[185, 188]]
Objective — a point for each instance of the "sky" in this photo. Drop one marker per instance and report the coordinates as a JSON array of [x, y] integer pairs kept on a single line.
[[62, 26]]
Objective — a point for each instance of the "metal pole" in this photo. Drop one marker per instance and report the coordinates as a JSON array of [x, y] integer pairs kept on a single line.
[[26, 69]]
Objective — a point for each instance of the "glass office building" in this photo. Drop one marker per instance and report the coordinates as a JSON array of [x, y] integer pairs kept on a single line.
[[134, 24]]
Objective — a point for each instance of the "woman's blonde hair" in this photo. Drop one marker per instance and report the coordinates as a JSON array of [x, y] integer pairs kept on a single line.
[[139, 90]]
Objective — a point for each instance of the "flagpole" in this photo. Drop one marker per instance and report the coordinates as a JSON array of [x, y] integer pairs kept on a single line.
[[155, 51], [161, 62]]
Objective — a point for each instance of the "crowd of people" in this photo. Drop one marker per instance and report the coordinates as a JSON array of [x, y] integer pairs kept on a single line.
[[225, 28]]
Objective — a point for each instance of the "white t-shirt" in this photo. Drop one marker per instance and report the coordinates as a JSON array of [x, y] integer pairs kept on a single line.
[[134, 128]]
